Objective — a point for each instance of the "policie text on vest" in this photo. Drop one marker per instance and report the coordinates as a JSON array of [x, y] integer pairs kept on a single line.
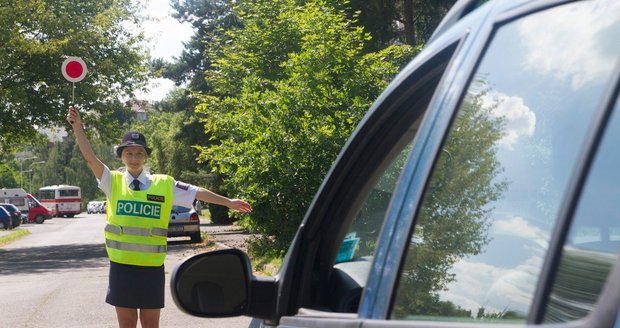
[[140, 209]]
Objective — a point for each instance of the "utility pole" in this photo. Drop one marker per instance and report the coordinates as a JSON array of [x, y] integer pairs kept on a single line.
[[32, 173], [21, 162]]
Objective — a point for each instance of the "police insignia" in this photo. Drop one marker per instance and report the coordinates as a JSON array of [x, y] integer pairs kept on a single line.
[[156, 198]]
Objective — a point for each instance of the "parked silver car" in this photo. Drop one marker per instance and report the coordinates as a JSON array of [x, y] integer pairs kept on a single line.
[[96, 206], [184, 221]]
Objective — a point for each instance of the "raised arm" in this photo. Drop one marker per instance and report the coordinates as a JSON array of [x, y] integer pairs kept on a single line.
[[95, 165], [238, 205]]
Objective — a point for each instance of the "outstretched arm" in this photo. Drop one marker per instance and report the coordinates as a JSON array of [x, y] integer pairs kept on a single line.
[[95, 165], [238, 205]]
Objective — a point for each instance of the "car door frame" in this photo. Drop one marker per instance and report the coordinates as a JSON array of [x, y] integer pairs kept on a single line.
[[377, 305]]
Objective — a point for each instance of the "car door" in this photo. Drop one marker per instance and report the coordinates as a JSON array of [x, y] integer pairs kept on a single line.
[[483, 227]]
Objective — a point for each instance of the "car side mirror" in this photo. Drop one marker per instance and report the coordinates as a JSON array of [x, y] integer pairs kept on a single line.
[[221, 284]]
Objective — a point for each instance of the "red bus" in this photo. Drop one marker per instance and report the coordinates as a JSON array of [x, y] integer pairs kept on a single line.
[[63, 200]]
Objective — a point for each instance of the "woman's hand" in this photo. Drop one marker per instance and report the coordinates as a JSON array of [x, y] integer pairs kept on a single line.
[[240, 205], [73, 117]]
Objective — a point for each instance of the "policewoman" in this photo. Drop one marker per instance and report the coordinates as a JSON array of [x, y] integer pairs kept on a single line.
[[137, 214]]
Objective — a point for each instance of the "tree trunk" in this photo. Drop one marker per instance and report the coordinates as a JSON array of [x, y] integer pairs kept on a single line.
[[408, 22]]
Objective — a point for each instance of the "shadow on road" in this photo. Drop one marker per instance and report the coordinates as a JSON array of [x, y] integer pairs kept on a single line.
[[52, 258], [64, 257]]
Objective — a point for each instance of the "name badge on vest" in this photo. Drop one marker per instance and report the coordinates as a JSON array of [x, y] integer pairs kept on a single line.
[[156, 198]]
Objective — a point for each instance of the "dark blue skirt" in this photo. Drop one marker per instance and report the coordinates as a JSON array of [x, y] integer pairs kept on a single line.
[[138, 287]]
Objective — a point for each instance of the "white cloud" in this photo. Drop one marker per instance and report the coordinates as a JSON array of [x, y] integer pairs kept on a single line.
[[494, 288], [166, 33], [517, 226], [157, 89], [519, 119], [54, 134], [498, 288], [467, 291], [561, 42]]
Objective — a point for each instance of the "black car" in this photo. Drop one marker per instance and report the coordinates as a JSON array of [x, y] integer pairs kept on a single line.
[[15, 213], [481, 189]]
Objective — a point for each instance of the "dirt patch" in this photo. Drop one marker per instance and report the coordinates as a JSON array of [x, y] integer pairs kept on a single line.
[[231, 236], [225, 236]]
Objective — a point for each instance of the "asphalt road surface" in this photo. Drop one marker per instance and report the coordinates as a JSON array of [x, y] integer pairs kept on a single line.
[[57, 277]]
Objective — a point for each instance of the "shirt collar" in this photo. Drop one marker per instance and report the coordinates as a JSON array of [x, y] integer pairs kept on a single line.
[[143, 178]]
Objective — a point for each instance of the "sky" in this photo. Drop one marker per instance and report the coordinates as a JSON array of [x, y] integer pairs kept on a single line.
[[166, 36]]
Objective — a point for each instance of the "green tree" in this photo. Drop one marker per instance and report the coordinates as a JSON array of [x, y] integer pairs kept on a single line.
[[209, 18], [36, 35], [7, 176], [289, 88], [419, 18], [454, 216], [399, 21]]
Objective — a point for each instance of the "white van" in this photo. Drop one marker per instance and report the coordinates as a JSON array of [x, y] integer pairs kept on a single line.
[[17, 197]]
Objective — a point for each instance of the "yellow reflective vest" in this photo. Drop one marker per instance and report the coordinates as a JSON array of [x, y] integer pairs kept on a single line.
[[137, 221]]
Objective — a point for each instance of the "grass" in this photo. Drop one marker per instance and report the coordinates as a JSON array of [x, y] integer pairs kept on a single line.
[[13, 235], [268, 267]]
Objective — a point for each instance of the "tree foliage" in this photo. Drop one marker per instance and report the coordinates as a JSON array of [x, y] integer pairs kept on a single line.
[[419, 18], [209, 18], [289, 88], [36, 35]]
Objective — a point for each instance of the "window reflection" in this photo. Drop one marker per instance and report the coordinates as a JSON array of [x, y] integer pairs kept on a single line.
[[488, 211], [594, 237], [361, 237]]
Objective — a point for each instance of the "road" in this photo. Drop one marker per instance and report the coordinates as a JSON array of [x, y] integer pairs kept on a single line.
[[57, 277]]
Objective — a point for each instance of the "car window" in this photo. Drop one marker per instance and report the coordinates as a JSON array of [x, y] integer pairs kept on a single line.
[[351, 242], [488, 211], [17, 201], [593, 240], [361, 239]]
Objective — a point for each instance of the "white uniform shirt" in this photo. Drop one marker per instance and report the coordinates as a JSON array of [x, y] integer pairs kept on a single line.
[[183, 195]]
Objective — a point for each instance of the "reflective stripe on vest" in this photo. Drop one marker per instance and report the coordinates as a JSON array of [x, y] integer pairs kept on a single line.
[[123, 246], [146, 232]]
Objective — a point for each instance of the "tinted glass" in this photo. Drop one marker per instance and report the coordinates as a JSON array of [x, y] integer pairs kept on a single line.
[[179, 209], [18, 201], [491, 203], [361, 238], [594, 238], [69, 193], [47, 194]]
